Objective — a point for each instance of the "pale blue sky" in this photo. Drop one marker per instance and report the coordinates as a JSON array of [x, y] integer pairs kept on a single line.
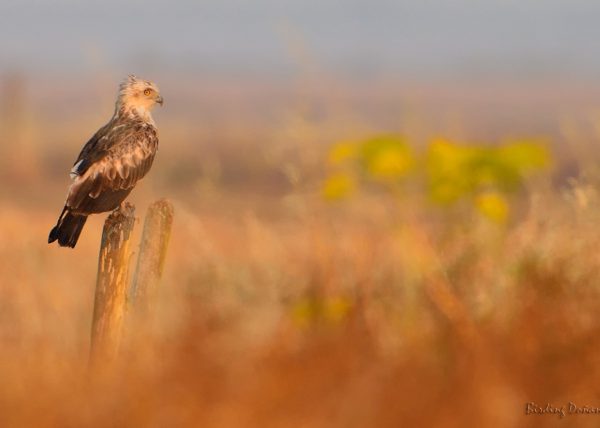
[[514, 37]]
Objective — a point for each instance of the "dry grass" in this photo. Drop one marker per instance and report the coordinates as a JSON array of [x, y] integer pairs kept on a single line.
[[279, 310]]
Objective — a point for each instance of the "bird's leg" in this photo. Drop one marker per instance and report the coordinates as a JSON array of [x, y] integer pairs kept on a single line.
[[125, 209]]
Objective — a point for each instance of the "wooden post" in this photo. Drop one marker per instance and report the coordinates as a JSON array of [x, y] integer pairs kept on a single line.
[[111, 285], [153, 250]]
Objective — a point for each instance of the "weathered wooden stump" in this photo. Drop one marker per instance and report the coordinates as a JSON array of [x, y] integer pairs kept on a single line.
[[113, 293], [153, 251], [111, 285]]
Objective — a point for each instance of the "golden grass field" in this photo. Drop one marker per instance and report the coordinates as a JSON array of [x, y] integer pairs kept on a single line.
[[281, 309]]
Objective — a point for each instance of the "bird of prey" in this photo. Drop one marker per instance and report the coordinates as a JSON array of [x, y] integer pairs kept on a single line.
[[112, 161]]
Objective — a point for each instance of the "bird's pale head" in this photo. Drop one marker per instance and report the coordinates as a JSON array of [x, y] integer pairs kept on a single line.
[[138, 95]]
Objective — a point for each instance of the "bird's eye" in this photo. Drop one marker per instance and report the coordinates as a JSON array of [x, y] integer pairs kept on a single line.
[[147, 92]]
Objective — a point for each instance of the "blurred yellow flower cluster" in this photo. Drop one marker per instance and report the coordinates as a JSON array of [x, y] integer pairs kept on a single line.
[[449, 172]]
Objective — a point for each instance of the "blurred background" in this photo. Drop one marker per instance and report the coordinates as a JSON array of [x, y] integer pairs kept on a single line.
[[385, 212]]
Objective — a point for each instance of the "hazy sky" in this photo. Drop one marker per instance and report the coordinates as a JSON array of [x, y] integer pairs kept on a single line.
[[353, 36]]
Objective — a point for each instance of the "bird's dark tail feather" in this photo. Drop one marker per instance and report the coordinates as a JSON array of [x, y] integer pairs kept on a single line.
[[67, 229]]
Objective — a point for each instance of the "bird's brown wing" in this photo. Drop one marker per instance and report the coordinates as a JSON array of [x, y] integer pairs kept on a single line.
[[113, 161]]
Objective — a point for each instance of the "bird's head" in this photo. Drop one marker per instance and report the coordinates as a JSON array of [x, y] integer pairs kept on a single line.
[[138, 94]]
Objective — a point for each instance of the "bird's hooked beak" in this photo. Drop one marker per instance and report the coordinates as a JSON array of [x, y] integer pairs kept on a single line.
[[159, 100]]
